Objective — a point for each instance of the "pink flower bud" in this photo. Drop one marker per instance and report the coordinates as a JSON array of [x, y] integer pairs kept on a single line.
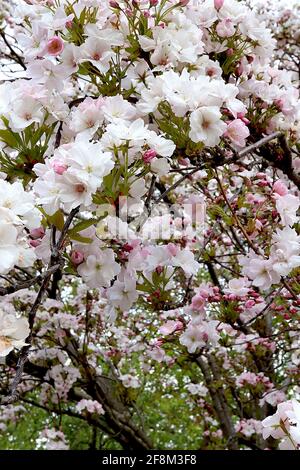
[[59, 167], [149, 155], [231, 297], [159, 269], [218, 4], [279, 103], [246, 121], [77, 257], [229, 51], [153, 3], [183, 161], [114, 4], [37, 232], [205, 337], [127, 247], [55, 46], [239, 70], [249, 304], [183, 3], [34, 243], [69, 24]]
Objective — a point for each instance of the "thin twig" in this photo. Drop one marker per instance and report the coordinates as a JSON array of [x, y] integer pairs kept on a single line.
[[13, 52]]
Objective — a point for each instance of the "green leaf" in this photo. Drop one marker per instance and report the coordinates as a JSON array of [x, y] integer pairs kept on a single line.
[[9, 138], [79, 238], [82, 225], [57, 220]]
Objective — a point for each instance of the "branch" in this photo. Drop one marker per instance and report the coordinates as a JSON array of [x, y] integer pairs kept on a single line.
[[29, 282], [219, 401], [13, 52], [259, 144]]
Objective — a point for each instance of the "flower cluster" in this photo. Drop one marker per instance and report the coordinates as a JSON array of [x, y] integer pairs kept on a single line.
[[149, 221], [17, 211]]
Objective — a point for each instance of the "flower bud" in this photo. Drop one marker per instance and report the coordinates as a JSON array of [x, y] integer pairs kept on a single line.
[[246, 121], [183, 3], [35, 243], [231, 297], [127, 247], [149, 155], [114, 4], [153, 3], [218, 4], [37, 233], [77, 257], [59, 167]]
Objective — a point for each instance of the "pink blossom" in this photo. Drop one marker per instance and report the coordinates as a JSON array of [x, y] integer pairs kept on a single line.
[[170, 326], [198, 303], [173, 249], [280, 188], [55, 46], [237, 132], [225, 28]]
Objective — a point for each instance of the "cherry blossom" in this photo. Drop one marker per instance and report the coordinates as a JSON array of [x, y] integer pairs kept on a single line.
[[149, 224]]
